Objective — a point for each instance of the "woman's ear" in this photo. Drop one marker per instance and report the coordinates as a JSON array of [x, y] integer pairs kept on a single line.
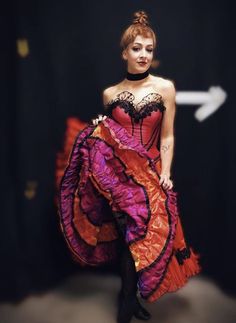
[[155, 63], [124, 56]]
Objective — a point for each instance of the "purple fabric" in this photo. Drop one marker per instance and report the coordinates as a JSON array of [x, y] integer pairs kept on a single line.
[[110, 175], [94, 157], [76, 175]]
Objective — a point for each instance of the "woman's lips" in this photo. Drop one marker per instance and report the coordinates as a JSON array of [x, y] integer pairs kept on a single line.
[[142, 63]]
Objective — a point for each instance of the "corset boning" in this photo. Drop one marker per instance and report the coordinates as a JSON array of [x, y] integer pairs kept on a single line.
[[145, 129]]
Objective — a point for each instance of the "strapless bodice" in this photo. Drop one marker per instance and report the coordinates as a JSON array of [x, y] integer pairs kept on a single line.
[[141, 120]]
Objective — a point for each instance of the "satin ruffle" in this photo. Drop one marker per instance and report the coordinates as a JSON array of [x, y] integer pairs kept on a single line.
[[109, 170]]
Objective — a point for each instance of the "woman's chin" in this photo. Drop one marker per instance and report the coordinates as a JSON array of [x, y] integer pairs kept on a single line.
[[140, 69]]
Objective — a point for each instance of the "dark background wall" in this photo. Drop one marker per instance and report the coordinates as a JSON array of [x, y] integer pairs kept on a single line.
[[73, 55]]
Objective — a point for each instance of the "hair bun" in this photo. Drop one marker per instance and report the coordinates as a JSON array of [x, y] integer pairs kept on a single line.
[[140, 17]]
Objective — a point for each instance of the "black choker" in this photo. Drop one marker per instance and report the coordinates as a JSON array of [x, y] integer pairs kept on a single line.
[[136, 77]]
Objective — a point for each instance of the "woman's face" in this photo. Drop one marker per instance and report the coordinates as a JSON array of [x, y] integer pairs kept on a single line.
[[139, 54]]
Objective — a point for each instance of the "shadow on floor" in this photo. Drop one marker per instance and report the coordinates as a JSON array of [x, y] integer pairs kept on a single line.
[[89, 297]]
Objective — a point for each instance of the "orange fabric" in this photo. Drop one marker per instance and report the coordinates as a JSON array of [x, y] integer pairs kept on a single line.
[[73, 126], [155, 238], [176, 275], [90, 233]]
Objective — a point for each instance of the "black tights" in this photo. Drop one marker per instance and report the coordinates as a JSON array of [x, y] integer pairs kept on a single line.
[[129, 278], [128, 273]]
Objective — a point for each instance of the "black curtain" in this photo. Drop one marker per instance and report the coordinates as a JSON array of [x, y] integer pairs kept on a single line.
[[56, 58]]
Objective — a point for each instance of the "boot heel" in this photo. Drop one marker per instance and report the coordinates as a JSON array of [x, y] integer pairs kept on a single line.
[[126, 310], [140, 312]]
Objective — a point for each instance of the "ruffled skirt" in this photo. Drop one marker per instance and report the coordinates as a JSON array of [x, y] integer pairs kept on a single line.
[[109, 171]]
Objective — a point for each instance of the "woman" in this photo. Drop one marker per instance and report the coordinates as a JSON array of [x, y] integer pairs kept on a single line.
[[116, 197]]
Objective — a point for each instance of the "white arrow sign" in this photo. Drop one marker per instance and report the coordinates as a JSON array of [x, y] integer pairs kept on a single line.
[[210, 101]]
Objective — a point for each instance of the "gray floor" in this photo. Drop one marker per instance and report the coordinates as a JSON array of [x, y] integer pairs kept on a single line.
[[89, 298]]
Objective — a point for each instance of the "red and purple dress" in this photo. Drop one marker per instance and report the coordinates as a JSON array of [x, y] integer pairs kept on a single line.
[[115, 167]]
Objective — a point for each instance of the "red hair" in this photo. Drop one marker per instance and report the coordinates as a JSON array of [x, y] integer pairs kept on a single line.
[[139, 26]]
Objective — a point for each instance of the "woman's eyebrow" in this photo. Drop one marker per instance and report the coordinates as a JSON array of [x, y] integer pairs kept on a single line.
[[141, 44]]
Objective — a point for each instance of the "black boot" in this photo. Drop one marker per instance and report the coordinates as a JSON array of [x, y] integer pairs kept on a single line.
[[126, 310], [128, 304], [140, 312], [127, 295]]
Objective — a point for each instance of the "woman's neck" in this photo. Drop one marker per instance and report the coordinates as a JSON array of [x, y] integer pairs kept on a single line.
[[137, 83], [134, 77]]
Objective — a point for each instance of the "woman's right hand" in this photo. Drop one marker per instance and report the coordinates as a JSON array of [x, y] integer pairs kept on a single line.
[[99, 119], [166, 181]]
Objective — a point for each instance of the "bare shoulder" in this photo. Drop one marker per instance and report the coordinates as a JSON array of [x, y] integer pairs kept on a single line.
[[109, 93], [166, 87]]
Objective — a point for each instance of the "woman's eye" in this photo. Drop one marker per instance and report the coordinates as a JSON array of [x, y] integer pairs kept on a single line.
[[137, 48]]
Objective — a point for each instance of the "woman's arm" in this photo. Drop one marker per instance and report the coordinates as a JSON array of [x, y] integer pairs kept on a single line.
[[167, 139]]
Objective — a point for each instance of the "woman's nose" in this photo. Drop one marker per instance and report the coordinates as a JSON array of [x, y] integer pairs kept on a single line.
[[143, 53]]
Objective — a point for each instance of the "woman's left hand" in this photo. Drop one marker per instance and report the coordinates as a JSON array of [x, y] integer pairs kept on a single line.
[[99, 119], [166, 181]]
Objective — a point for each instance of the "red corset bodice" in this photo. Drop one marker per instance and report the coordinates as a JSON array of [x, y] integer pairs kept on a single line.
[[141, 120]]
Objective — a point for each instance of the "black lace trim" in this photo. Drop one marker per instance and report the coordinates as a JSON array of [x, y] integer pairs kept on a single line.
[[182, 254], [151, 102]]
